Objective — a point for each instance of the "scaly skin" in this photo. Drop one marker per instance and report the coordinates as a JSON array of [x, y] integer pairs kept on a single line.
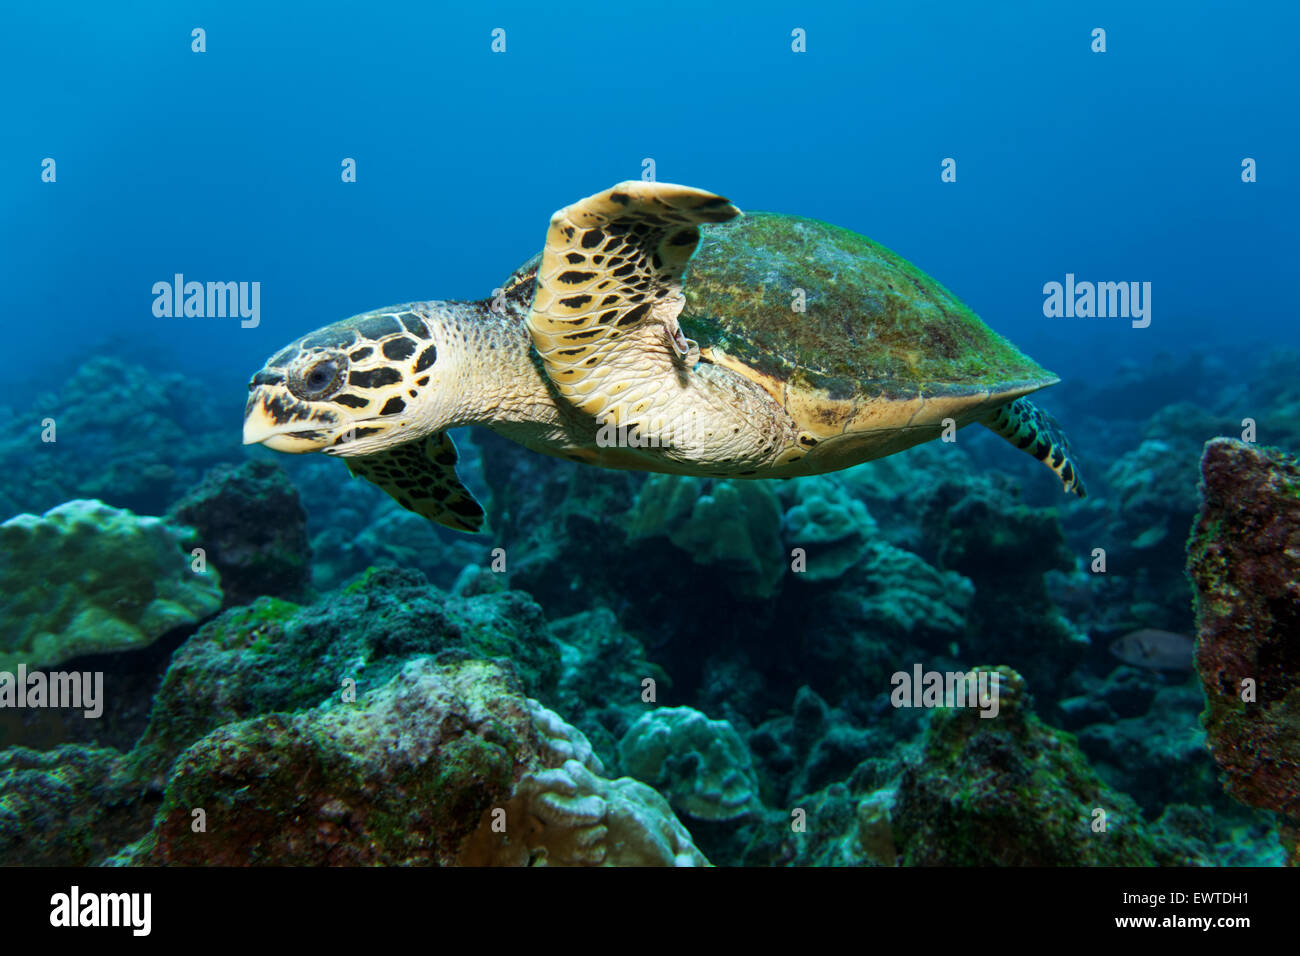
[[488, 373], [712, 421]]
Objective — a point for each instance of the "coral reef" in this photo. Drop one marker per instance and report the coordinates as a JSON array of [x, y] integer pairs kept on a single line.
[[831, 527], [1006, 548], [121, 436], [976, 791], [353, 525], [1153, 500], [257, 725], [446, 764], [401, 777], [1010, 791], [904, 597], [276, 656], [1157, 756], [561, 527], [130, 677], [86, 578], [334, 714], [568, 815], [1243, 557], [603, 682], [70, 806], [701, 765], [248, 521], [732, 525], [1153, 491], [815, 746]]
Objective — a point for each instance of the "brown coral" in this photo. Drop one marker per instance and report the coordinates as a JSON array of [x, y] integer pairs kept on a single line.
[[1244, 561]]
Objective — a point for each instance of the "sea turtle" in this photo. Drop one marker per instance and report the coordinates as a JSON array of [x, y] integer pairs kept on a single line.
[[659, 330]]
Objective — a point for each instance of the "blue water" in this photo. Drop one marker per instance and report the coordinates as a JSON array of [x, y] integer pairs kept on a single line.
[[225, 165]]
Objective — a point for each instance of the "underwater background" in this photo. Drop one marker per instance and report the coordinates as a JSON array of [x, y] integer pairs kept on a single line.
[[624, 669]]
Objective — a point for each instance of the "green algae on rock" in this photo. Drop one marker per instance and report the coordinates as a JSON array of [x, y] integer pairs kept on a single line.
[[1011, 791], [86, 578], [70, 806], [973, 791], [1243, 557], [277, 656], [445, 764], [399, 778]]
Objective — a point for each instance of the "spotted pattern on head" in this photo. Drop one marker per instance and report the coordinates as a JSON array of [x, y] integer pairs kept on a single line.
[[377, 365], [421, 477]]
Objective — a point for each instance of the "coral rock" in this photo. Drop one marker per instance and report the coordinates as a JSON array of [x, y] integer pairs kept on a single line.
[[1011, 791], [702, 764], [735, 525], [70, 806], [276, 656], [1244, 560], [85, 578], [447, 764], [831, 526], [253, 529]]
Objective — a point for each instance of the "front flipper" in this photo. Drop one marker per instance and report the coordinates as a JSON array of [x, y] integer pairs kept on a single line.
[[421, 477], [1035, 432], [609, 290]]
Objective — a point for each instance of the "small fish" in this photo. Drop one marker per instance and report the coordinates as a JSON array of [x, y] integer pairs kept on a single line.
[[1159, 650]]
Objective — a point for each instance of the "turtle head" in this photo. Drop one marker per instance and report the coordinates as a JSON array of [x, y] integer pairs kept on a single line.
[[351, 388]]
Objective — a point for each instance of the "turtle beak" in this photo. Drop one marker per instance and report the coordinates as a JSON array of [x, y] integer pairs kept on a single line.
[[274, 418]]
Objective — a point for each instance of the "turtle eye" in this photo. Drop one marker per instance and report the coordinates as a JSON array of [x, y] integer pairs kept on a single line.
[[319, 377], [319, 380]]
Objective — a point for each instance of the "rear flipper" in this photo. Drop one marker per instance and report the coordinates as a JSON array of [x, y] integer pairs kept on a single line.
[[1034, 431]]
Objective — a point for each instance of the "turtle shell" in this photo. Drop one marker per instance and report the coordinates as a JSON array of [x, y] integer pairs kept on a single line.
[[882, 357], [873, 324]]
